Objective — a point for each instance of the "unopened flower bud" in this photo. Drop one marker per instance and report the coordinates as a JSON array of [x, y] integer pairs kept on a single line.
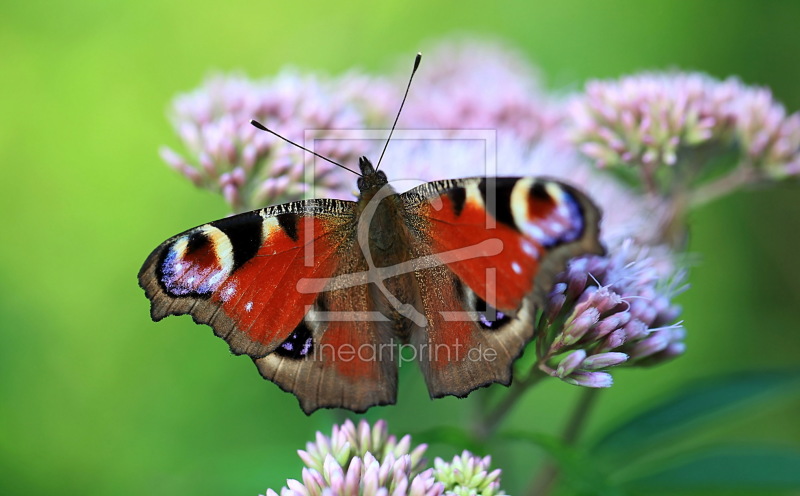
[[570, 363], [590, 379]]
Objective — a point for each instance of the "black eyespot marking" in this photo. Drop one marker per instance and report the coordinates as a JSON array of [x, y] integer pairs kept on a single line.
[[196, 241], [458, 196], [244, 233], [186, 275], [299, 345], [577, 214], [489, 317], [500, 205], [539, 192], [288, 223], [570, 208]]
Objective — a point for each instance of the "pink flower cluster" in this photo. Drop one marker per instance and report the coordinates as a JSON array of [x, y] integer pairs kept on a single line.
[[654, 119], [365, 460]]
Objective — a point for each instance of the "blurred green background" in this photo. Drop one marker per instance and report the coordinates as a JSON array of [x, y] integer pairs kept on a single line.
[[97, 399]]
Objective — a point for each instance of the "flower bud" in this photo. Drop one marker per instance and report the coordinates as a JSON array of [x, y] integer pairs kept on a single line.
[[570, 363], [603, 361], [590, 379]]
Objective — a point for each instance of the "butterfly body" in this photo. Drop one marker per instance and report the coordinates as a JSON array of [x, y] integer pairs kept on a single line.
[[321, 292]]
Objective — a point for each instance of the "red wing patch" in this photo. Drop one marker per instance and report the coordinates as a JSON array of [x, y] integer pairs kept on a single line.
[[348, 358], [501, 277], [501, 230], [262, 296]]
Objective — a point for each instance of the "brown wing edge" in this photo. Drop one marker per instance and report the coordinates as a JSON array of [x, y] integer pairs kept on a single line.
[[321, 377], [317, 379], [272, 368], [462, 377], [202, 310]]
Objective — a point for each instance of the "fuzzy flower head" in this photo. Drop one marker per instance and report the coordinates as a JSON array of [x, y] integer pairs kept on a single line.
[[479, 85], [468, 475], [606, 311], [367, 461], [655, 119], [365, 476], [647, 118], [348, 441], [768, 138], [252, 168]]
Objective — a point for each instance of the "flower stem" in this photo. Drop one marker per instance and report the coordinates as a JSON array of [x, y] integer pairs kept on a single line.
[[544, 481], [578, 419], [742, 175], [496, 415]]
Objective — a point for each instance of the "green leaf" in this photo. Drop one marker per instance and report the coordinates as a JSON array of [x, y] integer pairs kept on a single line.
[[693, 408], [762, 468]]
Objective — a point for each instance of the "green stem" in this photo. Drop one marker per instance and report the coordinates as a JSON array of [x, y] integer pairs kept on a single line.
[[742, 175], [483, 398], [648, 179], [578, 420], [545, 480], [497, 414]]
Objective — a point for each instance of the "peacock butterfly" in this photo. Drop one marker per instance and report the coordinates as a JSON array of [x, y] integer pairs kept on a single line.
[[320, 293]]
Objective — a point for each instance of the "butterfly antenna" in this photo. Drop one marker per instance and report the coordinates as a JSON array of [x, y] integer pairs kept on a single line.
[[417, 60], [262, 127]]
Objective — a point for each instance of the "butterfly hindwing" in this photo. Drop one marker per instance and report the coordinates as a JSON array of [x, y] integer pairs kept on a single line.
[[345, 354]]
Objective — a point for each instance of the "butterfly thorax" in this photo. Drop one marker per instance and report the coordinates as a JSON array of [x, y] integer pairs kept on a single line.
[[380, 214], [383, 228], [371, 180]]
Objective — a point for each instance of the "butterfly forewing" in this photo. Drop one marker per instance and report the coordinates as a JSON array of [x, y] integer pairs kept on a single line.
[[239, 274]]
